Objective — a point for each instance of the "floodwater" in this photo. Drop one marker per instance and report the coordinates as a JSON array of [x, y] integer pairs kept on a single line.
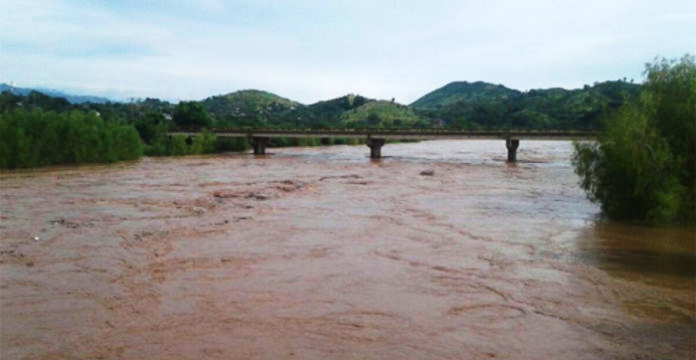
[[315, 253]]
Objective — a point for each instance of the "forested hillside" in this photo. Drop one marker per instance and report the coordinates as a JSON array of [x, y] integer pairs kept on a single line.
[[383, 114], [252, 108], [462, 91], [481, 105], [246, 107]]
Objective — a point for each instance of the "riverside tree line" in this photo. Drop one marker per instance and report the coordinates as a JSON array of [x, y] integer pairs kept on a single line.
[[642, 167], [39, 130]]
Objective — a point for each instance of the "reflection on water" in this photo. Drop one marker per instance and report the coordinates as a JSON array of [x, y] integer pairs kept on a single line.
[[648, 262], [643, 254], [440, 250]]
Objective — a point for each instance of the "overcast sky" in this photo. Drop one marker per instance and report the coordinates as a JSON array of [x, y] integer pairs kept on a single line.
[[310, 50]]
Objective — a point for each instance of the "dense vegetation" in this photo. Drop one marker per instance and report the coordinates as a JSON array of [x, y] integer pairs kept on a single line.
[[383, 114], [247, 107], [644, 165], [36, 138], [481, 105], [253, 109]]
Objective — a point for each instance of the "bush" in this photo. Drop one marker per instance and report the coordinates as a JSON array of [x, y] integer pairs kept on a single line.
[[204, 143], [177, 145]]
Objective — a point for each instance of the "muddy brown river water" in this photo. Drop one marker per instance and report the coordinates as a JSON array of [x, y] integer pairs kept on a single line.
[[321, 253]]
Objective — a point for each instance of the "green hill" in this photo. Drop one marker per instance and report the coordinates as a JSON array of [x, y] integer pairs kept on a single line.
[[381, 114], [482, 105], [323, 114], [462, 91], [257, 108], [246, 103], [328, 113]]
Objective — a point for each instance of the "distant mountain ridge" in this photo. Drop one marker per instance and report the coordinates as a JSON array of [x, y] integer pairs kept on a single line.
[[461, 104], [481, 105], [73, 99]]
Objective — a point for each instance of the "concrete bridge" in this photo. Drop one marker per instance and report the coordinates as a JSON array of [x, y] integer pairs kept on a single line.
[[375, 138]]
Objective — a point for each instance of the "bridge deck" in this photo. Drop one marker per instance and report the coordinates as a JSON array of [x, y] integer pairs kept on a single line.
[[416, 134]]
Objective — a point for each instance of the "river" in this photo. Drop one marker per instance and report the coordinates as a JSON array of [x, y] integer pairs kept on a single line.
[[440, 250]]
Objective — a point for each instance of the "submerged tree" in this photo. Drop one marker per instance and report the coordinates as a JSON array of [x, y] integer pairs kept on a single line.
[[643, 165]]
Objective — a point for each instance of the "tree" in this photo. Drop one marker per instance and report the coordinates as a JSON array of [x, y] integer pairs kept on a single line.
[[147, 125], [672, 86], [191, 113], [644, 162]]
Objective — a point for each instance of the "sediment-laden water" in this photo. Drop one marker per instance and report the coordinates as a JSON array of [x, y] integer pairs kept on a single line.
[[441, 251]]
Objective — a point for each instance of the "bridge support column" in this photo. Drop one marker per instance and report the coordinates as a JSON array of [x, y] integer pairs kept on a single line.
[[512, 145], [375, 147], [259, 145]]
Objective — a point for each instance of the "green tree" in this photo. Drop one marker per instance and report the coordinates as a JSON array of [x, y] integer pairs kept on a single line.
[[642, 166], [127, 143], [191, 113], [147, 125], [672, 88]]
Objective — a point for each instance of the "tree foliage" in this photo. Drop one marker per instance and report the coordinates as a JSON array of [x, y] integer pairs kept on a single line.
[[148, 125], [644, 164], [203, 143], [37, 138], [191, 113]]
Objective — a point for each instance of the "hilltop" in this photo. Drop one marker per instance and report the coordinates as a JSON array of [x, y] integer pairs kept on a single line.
[[462, 91], [246, 103], [381, 114], [328, 113]]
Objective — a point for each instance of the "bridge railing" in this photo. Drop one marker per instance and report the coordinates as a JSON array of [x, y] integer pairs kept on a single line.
[[383, 131]]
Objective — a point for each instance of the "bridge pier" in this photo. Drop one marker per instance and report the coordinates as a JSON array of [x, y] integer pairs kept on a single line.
[[259, 145], [512, 145], [375, 147]]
